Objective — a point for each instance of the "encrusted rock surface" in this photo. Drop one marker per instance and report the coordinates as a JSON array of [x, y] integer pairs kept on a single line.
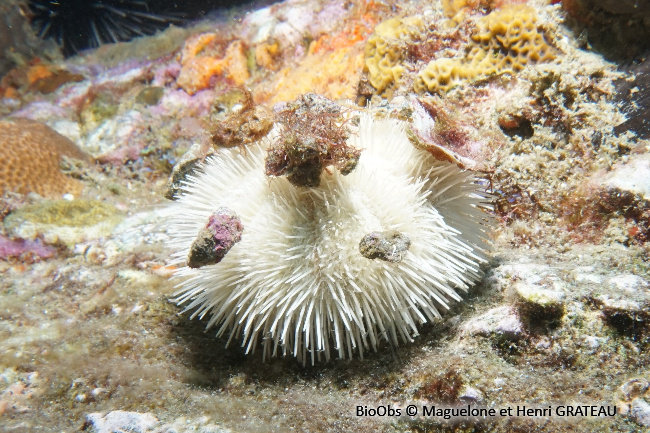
[[89, 339]]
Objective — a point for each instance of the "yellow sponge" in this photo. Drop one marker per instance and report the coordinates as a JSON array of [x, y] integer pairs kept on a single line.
[[513, 36], [384, 52], [504, 42], [440, 75]]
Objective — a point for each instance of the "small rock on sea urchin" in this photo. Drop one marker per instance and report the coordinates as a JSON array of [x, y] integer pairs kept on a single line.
[[213, 242], [297, 281], [390, 246]]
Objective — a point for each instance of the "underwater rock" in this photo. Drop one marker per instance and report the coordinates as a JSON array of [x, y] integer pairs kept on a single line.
[[17, 398], [620, 307], [312, 136], [625, 306], [498, 321], [333, 74], [469, 394], [633, 388], [619, 30], [633, 394], [185, 166], [18, 41], [631, 177], [640, 412], [629, 283], [614, 204], [36, 77], [118, 139], [150, 95], [126, 239], [268, 55], [539, 304], [244, 126], [32, 153], [625, 192], [120, 421], [289, 24], [328, 63], [442, 387], [634, 95], [45, 78], [390, 246], [223, 230]]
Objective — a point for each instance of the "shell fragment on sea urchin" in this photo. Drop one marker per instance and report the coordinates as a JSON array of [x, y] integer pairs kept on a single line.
[[296, 282]]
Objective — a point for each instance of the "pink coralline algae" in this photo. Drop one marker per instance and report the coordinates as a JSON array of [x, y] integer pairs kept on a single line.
[[221, 233], [10, 249]]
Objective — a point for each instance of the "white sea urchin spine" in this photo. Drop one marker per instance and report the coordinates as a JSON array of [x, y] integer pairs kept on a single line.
[[296, 280]]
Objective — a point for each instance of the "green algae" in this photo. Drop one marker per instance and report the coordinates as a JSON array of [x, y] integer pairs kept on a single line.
[[150, 95], [63, 222], [75, 213], [104, 106]]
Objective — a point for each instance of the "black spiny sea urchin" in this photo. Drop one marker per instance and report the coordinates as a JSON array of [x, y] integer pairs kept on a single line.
[[79, 24]]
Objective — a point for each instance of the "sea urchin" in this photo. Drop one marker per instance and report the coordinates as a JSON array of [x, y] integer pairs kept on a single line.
[[79, 24], [357, 259]]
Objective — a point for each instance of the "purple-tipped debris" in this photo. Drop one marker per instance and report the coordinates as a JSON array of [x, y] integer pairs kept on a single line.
[[223, 230]]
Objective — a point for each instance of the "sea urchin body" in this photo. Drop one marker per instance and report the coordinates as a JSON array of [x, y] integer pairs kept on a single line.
[[80, 24], [297, 282]]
